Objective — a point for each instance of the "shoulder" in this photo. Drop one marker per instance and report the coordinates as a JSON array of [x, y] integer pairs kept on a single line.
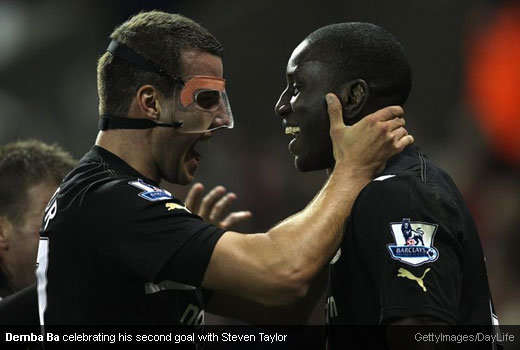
[[94, 177], [405, 195], [131, 191], [133, 187], [395, 194], [113, 194], [387, 186]]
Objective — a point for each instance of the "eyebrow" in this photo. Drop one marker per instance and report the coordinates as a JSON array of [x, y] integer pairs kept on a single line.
[[294, 72], [295, 75], [294, 66]]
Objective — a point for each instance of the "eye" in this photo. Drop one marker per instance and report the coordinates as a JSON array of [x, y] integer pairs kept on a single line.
[[207, 99], [295, 89]]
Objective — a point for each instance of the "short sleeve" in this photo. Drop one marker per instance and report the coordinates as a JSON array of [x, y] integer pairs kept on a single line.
[[407, 234], [145, 232]]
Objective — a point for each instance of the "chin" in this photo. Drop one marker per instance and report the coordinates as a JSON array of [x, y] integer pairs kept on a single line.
[[305, 165], [184, 179], [180, 178], [302, 168]]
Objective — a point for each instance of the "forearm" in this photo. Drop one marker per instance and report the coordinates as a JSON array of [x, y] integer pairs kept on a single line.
[[305, 242], [277, 268]]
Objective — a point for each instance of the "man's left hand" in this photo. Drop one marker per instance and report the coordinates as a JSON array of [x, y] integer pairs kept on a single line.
[[213, 206]]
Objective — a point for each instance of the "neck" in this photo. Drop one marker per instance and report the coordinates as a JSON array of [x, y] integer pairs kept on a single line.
[[133, 147]]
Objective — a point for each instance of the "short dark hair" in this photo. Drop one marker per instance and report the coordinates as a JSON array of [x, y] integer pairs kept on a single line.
[[357, 50], [158, 36], [24, 164]]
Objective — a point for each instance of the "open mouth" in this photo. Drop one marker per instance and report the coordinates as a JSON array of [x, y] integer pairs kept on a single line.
[[195, 155], [295, 132], [193, 158]]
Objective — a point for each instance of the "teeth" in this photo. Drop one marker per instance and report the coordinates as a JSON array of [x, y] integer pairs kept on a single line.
[[292, 130]]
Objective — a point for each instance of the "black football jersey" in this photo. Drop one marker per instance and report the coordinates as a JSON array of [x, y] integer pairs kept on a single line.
[[410, 248], [117, 249]]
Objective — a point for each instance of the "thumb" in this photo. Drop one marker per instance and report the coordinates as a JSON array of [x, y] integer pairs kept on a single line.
[[335, 111]]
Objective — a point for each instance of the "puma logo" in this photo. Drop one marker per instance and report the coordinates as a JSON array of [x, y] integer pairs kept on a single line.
[[173, 206], [405, 273]]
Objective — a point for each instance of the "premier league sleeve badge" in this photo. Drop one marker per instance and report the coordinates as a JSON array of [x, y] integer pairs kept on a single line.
[[413, 242]]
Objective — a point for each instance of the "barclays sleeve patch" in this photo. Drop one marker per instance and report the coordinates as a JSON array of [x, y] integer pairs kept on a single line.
[[151, 193], [413, 242]]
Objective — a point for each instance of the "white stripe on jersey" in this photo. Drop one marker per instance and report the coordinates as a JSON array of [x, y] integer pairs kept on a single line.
[[383, 178]]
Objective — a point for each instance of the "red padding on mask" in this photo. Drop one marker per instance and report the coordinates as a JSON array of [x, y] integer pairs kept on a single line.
[[199, 82]]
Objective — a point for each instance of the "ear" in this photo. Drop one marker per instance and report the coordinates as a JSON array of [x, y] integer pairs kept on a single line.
[[5, 232], [148, 102], [353, 95]]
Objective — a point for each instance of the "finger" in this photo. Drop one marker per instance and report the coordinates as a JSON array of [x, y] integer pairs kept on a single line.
[[221, 207], [334, 110], [209, 201], [235, 217], [405, 141], [398, 134], [193, 198], [394, 123], [387, 113]]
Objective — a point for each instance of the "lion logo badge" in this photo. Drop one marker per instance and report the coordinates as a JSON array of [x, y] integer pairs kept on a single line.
[[413, 242]]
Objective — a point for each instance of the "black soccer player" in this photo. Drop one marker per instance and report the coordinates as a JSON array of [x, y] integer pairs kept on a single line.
[[411, 253], [115, 248]]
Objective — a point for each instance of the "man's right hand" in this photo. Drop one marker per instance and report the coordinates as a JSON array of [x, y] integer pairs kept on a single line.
[[369, 143]]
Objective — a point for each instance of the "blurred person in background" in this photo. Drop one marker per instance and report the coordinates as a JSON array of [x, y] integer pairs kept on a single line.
[[30, 172]]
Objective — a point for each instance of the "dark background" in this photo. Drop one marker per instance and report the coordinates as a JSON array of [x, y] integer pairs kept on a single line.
[[49, 50]]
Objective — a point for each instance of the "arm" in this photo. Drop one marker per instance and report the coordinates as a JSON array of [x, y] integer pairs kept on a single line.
[[212, 208], [277, 267]]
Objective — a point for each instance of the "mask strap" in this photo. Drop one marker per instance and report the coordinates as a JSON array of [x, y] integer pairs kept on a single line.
[[107, 122], [129, 55]]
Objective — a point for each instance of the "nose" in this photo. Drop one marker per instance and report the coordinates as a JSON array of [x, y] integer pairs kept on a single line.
[[282, 107], [223, 116], [222, 119]]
